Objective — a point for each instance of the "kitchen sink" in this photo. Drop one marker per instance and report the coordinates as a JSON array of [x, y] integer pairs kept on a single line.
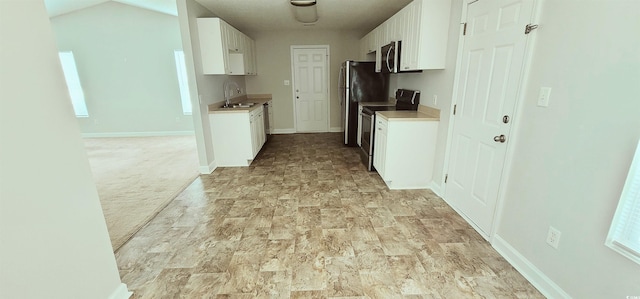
[[238, 105]]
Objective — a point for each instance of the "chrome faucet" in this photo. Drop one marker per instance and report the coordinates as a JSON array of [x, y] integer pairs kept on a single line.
[[225, 86]]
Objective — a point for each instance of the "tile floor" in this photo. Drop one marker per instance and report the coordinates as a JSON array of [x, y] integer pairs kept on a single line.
[[306, 220]]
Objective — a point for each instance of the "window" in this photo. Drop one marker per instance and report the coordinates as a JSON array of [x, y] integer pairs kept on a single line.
[[624, 234], [73, 84], [183, 83]]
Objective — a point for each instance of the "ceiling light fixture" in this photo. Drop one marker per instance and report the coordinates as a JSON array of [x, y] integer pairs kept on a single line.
[[305, 11]]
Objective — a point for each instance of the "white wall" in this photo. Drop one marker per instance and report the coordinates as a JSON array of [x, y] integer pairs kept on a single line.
[[274, 66], [53, 237], [207, 88], [439, 83], [125, 59], [571, 159]]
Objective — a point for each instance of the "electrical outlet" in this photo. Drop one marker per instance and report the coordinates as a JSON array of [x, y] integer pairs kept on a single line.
[[287, 82], [553, 237]]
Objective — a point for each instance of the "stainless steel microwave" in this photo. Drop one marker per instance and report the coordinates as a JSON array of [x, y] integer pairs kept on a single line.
[[390, 57]]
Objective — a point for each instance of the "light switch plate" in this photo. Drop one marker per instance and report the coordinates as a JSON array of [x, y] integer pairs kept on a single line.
[[543, 96]]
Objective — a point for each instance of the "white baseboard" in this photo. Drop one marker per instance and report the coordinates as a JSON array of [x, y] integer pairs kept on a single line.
[[137, 134], [537, 278], [121, 292], [436, 189], [208, 169], [293, 131], [284, 131]]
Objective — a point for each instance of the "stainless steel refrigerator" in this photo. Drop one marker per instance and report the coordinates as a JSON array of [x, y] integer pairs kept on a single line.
[[359, 82]]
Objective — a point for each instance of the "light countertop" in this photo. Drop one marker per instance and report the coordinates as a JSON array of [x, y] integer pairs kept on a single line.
[[424, 113], [258, 99]]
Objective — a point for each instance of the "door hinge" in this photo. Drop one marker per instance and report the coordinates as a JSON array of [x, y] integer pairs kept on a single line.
[[529, 28], [446, 177], [464, 29], [454, 109]]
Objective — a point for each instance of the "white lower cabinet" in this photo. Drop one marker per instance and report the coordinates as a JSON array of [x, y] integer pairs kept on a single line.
[[258, 135], [380, 146], [404, 152], [237, 136]]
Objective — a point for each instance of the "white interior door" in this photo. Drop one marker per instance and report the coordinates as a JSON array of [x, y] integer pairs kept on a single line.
[[310, 89], [488, 85]]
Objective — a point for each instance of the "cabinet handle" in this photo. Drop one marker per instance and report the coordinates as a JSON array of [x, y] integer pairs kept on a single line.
[[379, 129]]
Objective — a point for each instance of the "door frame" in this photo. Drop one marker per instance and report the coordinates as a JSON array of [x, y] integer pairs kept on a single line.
[[293, 83], [515, 127]]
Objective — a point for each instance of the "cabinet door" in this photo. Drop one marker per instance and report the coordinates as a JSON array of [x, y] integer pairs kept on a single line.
[[258, 136], [231, 133], [213, 46], [247, 55], [251, 54], [389, 30], [380, 147], [379, 41], [232, 39], [364, 45], [262, 137], [254, 136], [254, 57], [410, 41]]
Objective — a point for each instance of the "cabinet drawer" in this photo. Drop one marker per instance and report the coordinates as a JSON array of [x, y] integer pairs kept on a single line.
[[381, 124]]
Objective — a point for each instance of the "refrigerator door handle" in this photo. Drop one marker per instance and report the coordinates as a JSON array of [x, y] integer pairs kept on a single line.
[[341, 85], [340, 76]]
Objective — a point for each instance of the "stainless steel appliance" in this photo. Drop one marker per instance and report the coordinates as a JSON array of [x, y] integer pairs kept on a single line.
[[359, 82], [391, 57], [405, 100], [265, 115]]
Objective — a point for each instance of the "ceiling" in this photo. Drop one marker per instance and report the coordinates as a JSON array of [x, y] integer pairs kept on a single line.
[[261, 15], [60, 7]]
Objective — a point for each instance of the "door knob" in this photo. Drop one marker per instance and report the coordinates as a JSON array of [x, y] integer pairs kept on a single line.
[[500, 138]]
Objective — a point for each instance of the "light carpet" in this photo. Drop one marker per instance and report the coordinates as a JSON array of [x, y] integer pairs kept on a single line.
[[137, 177]]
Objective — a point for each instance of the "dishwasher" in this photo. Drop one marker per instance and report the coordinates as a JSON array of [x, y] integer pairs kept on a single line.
[[265, 114]]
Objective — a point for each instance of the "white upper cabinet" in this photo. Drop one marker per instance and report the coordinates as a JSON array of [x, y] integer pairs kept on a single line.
[[423, 28], [250, 56], [224, 49], [432, 17], [366, 45]]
